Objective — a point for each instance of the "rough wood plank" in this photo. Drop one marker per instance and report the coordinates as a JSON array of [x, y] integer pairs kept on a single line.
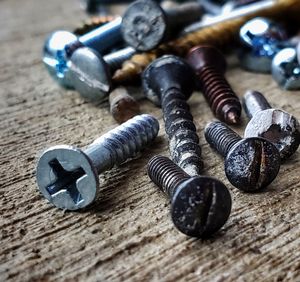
[[127, 233]]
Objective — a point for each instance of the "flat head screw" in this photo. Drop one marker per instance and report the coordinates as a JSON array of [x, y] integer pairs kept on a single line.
[[169, 82], [200, 205], [60, 45], [210, 66], [68, 176], [145, 24], [251, 163], [277, 126]]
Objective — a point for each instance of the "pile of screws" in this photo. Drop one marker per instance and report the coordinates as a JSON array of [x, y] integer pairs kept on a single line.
[[200, 205]]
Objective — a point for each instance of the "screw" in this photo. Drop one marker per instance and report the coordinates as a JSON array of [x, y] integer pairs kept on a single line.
[[145, 24], [277, 126], [60, 45], [90, 73], [92, 23], [168, 82], [200, 205], [210, 66], [122, 105], [250, 163], [68, 176]]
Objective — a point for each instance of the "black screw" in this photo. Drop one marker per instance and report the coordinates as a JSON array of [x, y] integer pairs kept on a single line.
[[251, 163], [168, 82], [200, 205], [277, 126]]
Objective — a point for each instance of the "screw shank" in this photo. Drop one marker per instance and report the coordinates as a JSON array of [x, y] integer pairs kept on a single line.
[[116, 59], [254, 102]]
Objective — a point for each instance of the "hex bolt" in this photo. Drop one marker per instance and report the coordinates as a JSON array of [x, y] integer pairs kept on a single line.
[[250, 163], [90, 73], [277, 126], [68, 176], [200, 205], [168, 82], [210, 66], [145, 24], [60, 45], [122, 105]]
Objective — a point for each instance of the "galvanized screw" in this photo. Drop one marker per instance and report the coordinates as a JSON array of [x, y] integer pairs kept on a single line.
[[200, 205], [277, 126], [145, 24], [168, 82], [210, 66], [68, 176], [250, 163], [90, 73], [60, 45]]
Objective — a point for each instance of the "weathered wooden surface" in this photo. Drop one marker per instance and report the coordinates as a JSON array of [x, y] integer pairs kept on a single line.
[[127, 233]]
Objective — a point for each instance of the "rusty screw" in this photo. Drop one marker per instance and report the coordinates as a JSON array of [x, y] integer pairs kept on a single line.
[[123, 106], [210, 66], [278, 126], [251, 163], [200, 205]]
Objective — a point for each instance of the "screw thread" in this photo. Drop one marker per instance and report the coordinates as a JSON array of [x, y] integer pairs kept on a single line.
[[254, 102], [93, 23], [181, 130], [116, 59], [123, 142], [221, 137], [165, 174], [219, 94]]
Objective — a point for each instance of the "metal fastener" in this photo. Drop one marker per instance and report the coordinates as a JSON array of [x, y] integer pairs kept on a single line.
[[60, 45], [169, 82], [122, 105], [278, 126], [200, 205], [250, 163], [68, 176], [145, 24], [93, 23], [210, 66]]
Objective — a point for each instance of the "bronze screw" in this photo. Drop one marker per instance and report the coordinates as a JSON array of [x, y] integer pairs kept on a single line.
[[210, 66], [93, 23], [123, 106]]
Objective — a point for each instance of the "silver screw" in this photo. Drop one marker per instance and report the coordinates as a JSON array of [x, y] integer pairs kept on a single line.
[[68, 176], [90, 73]]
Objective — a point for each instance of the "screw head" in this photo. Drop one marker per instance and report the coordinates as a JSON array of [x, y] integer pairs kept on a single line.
[[144, 25], [252, 164], [90, 74], [286, 69], [55, 57], [200, 206], [67, 178], [165, 72]]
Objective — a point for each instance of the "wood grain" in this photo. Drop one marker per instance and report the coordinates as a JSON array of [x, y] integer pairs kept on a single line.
[[127, 233]]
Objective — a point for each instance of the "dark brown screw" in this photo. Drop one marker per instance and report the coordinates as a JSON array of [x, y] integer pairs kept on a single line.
[[279, 127], [200, 205], [210, 66], [123, 106], [168, 82], [250, 163]]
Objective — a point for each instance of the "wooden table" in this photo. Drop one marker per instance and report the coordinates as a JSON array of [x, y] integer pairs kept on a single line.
[[127, 234]]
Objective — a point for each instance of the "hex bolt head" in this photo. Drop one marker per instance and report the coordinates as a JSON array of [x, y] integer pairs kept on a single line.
[[200, 205], [286, 69], [251, 163]]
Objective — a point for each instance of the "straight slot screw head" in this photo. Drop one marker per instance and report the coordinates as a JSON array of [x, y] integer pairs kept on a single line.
[[200, 205], [251, 163]]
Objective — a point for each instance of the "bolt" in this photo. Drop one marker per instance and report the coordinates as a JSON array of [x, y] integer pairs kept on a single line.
[[286, 69], [145, 24], [277, 126], [68, 176], [250, 163], [168, 82], [200, 205], [210, 66], [60, 45], [123, 106], [90, 73]]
